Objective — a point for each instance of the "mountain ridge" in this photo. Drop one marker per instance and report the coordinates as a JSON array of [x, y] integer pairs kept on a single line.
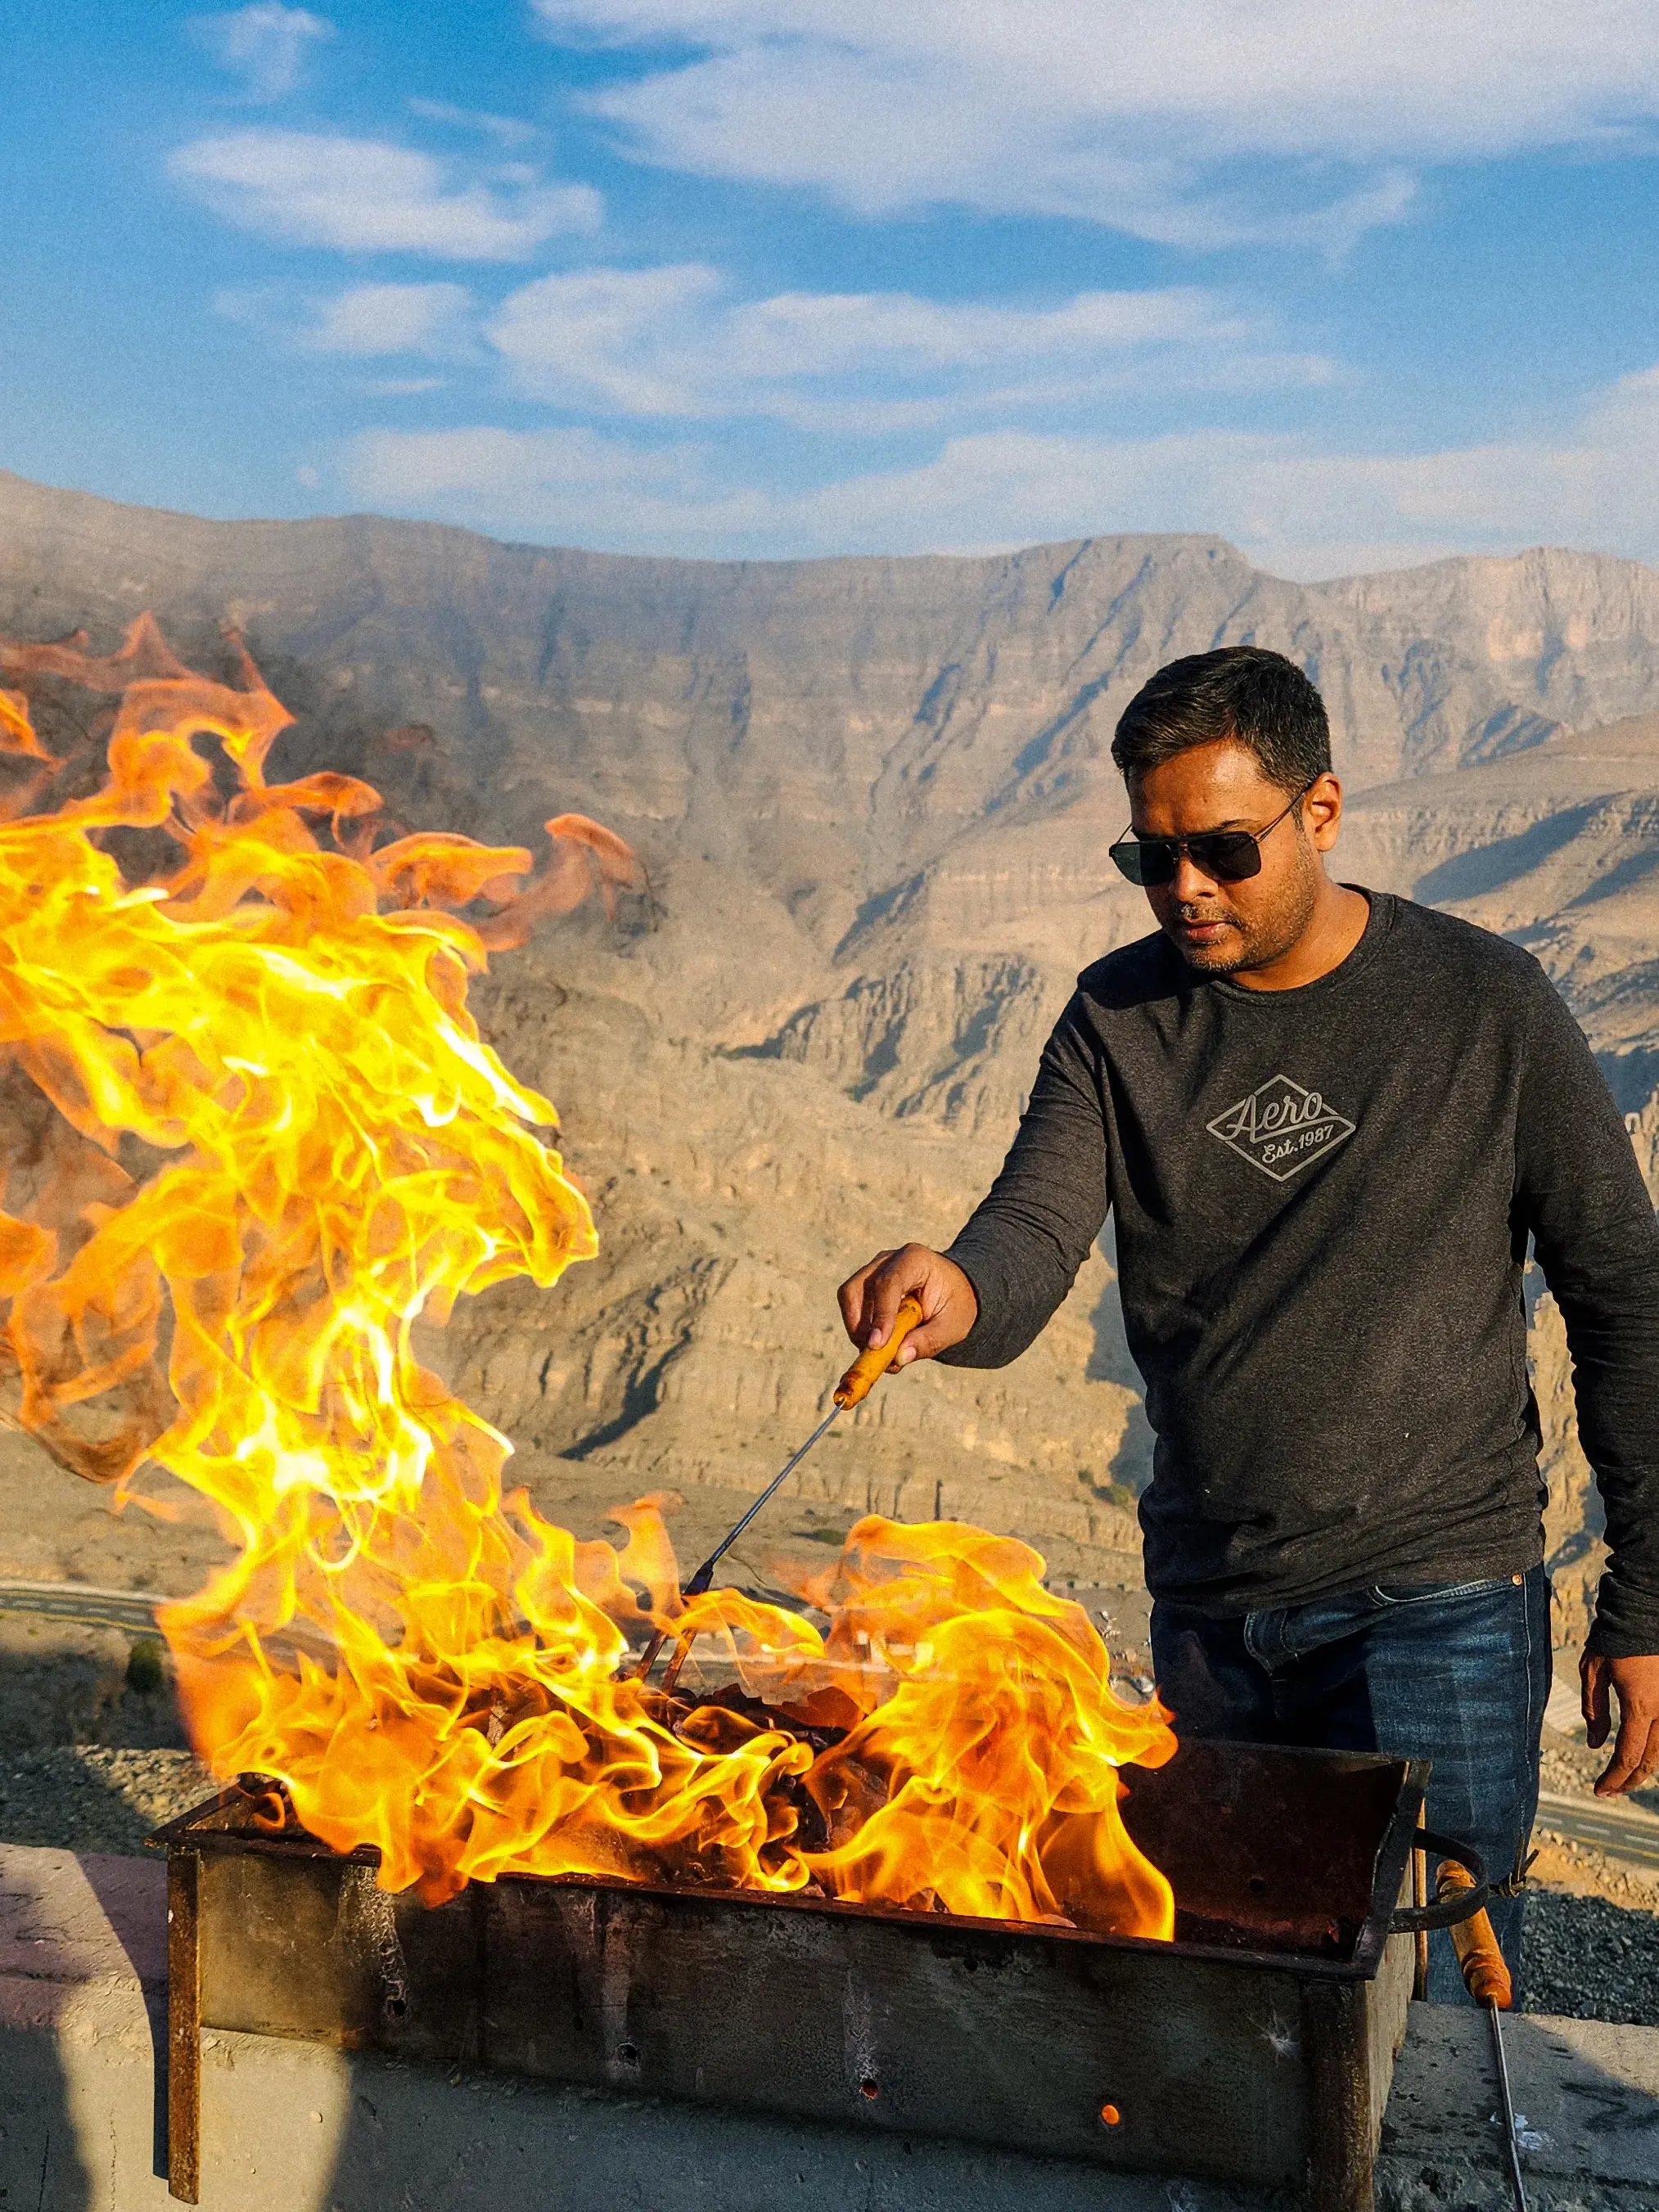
[[874, 796]]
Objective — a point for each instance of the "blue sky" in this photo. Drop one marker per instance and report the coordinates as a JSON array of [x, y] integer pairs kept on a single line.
[[1354, 285]]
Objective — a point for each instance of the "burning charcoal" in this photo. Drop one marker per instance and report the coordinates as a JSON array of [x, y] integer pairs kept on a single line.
[[825, 1718], [733, 1699], [666, 1711], [716, 1728]]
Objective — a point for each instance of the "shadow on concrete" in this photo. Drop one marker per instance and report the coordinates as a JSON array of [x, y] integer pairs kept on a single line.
[[1587, 2103], [127, 1892], [41, 2168], [415, 2137], [474, 2140]]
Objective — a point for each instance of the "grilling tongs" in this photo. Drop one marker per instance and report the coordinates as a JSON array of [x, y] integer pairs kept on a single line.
[[860, 1378]]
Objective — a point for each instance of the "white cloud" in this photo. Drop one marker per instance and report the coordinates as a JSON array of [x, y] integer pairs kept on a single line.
[[605, 335], [266, 44], [372, 319], [1294, 506], [673, 341], [367, 196], [573, 483], [368, 321], [505, 129], [1204, 122]]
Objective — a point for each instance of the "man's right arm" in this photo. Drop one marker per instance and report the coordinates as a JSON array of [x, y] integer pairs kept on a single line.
[[990, 1294]]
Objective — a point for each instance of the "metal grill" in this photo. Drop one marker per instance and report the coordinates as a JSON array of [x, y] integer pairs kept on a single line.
[[1257, 2048]]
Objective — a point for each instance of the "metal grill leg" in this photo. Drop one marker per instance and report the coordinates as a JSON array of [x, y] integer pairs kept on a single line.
[[1342, 2144], [184, 2028]]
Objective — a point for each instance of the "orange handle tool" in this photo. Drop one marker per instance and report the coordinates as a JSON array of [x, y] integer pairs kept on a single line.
[[1485, 1975], [1488, 1981], [852, 1389], [874, 1362]]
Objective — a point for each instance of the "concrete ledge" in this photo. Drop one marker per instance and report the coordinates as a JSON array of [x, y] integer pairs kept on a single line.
[[293, 2127], [1586, 2094]]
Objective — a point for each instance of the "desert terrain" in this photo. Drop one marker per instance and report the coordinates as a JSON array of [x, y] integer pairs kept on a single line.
[[874, 798]]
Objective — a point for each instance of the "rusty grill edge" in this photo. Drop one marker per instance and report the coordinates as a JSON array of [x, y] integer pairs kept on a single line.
[[1257, 2048]]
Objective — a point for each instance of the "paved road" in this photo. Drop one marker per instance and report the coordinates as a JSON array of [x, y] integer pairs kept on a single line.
[[1624, 1831], [129, 1609], [95, 1608]]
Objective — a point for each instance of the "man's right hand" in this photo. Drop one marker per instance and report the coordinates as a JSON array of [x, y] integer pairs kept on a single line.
[[870, 1299]]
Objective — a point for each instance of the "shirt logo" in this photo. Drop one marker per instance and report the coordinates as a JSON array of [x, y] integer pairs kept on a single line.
[[1281, 1128]]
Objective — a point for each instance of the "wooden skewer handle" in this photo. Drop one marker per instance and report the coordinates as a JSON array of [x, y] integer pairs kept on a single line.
[[1485, 1975], [874, 1362]]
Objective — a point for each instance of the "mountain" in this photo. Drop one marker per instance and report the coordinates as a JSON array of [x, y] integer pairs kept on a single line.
[[874, 797]]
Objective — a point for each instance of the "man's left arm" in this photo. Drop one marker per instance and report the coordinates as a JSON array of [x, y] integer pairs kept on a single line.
[[1581, 1195]]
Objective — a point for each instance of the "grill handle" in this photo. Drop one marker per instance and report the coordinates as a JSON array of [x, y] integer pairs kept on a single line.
[[1408, 1919]]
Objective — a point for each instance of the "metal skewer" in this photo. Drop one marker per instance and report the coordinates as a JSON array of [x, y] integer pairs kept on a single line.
[[1486, 1978], [871, 1364], [1509, 2130]]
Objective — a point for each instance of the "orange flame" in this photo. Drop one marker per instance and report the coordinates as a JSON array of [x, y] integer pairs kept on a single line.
[[261, 1138]]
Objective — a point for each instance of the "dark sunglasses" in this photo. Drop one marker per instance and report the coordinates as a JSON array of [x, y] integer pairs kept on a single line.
[[1228, 855]]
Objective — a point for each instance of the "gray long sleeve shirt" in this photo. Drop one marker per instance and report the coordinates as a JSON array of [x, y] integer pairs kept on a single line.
[[1323, 1199]]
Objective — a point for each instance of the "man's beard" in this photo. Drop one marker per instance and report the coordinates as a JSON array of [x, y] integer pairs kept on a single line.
[[1232, 950], [1243, 944]]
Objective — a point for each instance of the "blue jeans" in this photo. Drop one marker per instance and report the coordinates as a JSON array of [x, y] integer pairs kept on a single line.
[[1457, 1673]]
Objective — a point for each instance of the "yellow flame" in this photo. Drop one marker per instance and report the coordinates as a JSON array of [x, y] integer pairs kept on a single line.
[[278, 1144]]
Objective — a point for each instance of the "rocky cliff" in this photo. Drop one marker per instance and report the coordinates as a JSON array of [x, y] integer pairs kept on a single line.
[[874, 797]]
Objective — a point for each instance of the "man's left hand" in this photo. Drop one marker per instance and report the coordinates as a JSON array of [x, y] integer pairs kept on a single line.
[[1635, 1751]]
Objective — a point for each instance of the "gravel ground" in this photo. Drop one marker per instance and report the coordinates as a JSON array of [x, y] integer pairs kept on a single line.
[[1592, 1920], [1591, 1960], [89, 1797]]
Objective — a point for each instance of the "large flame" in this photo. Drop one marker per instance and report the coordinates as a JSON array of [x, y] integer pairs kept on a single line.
[[252, 1137]]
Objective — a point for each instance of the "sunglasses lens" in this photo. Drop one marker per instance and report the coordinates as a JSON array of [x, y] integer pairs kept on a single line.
[[1231, 855], [1146, 862]]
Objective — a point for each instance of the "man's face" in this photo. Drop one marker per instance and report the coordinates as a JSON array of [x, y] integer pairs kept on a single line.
[[1221, 928]]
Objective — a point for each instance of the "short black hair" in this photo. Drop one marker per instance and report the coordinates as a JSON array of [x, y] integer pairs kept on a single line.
[[1240, 693]]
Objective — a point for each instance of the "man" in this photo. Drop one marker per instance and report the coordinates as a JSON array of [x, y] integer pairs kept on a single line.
[[1327, 1122]]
